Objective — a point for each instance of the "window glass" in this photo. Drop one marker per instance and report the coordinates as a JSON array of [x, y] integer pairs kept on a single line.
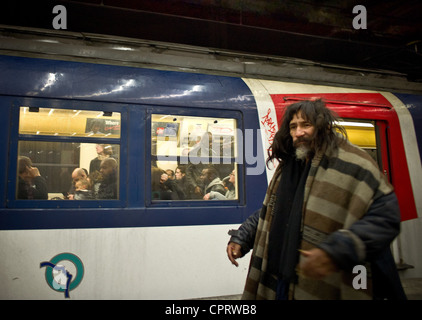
[[67, 168], [362, 133], [193, 158], [64, 122]]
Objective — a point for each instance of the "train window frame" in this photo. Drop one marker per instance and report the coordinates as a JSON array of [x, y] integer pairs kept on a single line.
[[16, 137], [383, 140], [237, 158], [381, 155]]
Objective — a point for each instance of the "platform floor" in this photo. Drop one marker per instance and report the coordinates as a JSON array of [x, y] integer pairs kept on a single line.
[[412, 287]]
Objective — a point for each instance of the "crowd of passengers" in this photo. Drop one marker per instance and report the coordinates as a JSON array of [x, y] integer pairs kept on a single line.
[[188, 182], [101, 182], [195, 181], [192, 182]]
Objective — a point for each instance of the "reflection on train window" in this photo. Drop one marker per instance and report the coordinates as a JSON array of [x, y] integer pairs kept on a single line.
[[67, 168], [193, 158], [64, 122], [362, 133]]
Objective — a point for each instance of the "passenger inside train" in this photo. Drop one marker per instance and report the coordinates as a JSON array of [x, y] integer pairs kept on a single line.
[[211, 181], [165, 188], [77, 175], [230, 189], [83, 190], [103, 151], [108, 188], [182, 182], [31, 184]]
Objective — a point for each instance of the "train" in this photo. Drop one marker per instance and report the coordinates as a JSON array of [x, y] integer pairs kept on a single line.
[[139, 244]]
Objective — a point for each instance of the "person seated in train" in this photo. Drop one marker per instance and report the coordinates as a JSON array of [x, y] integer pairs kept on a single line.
[[108, 188], [95, 179], [212, 181], [104, 151], [31, 184], [182, 182], [83, 190], [77, 174], [229, 183], [193, 181], [170, 173], [155, 182], [164, 188]]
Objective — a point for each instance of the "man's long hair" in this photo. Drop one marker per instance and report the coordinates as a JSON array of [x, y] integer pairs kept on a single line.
[[325, 134]]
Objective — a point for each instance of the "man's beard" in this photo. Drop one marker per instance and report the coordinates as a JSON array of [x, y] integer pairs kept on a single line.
[[303, 150]]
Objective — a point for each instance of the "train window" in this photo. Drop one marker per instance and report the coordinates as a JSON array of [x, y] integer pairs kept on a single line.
[[362, 133], [64, 122], [193, 158], [68, 154]]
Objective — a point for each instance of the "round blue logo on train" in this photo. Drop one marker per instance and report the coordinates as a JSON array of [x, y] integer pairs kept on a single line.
[[58, 277]]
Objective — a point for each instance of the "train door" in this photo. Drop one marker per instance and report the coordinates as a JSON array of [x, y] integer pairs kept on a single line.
[[370, 135]]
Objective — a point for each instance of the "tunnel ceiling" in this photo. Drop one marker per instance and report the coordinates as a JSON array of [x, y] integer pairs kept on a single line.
[[321, 31]]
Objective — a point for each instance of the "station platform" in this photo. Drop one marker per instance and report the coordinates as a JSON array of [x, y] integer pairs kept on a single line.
[[412, 287]]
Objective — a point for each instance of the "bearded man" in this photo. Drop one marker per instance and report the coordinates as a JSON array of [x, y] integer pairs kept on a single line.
[[327, 209]]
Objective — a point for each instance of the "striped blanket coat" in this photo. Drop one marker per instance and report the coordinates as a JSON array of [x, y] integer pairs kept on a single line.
[[341, 186]]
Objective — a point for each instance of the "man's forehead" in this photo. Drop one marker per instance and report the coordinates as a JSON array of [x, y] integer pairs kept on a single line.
[[299, 117]]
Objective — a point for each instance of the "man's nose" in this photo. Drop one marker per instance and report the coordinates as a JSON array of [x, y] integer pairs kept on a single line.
[[299, 132]]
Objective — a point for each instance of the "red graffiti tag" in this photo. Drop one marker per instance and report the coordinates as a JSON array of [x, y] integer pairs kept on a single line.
[[270, 127]]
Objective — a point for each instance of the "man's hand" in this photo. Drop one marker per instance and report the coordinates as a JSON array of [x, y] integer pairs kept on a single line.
[[33, 172], [233, 252], [198, 191], [164, 177], [316, 264]]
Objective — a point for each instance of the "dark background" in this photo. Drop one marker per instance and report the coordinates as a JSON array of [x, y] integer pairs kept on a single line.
[[320, 31]]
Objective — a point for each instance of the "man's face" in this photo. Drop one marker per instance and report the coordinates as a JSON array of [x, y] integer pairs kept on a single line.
[[178, 174], [302, 132], [99, 148], [232, 178], [106, 169], [26, 175], [76, 176]]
